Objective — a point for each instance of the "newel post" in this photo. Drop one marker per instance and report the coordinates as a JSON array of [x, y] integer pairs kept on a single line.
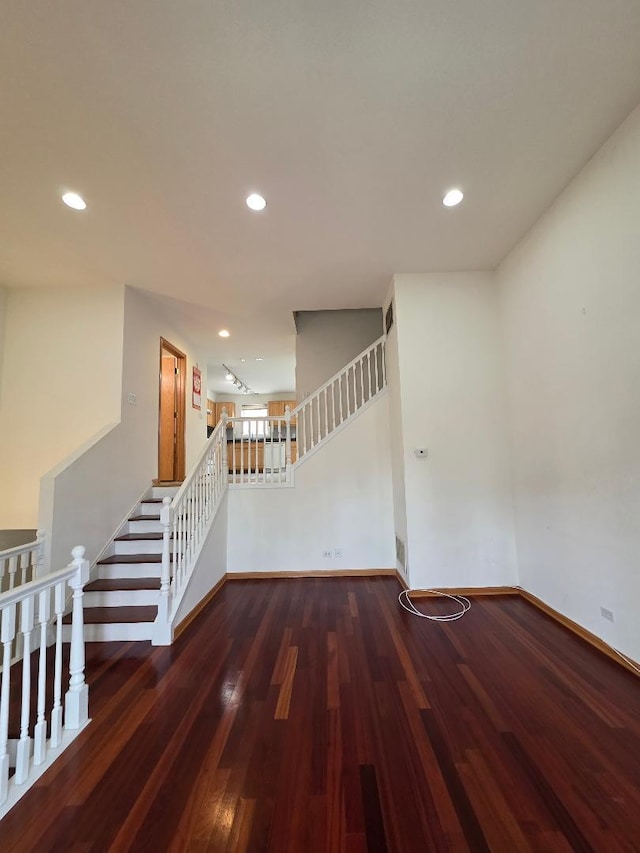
[[76, 701], [38, 564], [287, 418], [225, 460]]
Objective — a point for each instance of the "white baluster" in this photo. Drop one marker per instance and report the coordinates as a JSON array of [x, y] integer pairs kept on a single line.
[[287, 422], [40, 732], [13, 566], [56, 712], [24, 743], [375, 364], [311, 427], [76, 704], [340, 396], [223, 433], [333, 405], [326, 414], [3, 568], [7, 633], [384, 366], [361, 362], [25, 562]]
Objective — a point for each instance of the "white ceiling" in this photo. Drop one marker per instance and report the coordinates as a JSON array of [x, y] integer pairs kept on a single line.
[[351, 117]]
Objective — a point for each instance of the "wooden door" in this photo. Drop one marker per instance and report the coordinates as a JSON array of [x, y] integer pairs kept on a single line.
[[171, 413]]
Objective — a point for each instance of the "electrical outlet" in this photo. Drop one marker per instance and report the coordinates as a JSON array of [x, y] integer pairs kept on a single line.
[[327, 554], [337, 552], [607, 614]]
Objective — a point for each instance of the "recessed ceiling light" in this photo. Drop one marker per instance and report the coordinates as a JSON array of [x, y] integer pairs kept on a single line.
[[74, 200], [259, 358], [453, 197], [256, 202], [224, 333], [243, 359]]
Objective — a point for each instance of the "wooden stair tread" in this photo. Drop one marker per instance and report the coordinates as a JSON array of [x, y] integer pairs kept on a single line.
[[145, 518], [138, 537], [106, 615], [131, 558], [151, 500], [116, 584]]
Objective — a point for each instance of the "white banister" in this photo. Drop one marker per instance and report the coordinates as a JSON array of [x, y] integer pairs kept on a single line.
[[255, 444], [21, 563], [349, 387], [185, 523], [31, 601]]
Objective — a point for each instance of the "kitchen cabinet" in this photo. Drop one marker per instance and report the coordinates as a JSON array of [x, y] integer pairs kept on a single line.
[[275, 408], [249, 456], [243, 456]]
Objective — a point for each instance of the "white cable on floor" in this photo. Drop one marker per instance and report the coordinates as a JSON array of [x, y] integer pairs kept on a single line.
[[465, 604]]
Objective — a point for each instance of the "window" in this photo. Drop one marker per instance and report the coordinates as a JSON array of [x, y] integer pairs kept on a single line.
[[253, 428]]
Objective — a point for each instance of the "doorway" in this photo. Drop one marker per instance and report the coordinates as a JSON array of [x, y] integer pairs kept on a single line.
[[171, 415]]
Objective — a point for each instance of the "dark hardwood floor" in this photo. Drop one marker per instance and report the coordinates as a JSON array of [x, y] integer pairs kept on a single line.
[[316, 715]]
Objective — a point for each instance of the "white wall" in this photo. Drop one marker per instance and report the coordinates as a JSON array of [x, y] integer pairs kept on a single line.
[[452, 388], [3, 315], [571, 307], [144, 326], [61, 380], [86, 496], [342, 499], [328, 340]]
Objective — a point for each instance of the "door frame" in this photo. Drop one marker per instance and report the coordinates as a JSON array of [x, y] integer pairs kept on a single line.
[[179, 457]]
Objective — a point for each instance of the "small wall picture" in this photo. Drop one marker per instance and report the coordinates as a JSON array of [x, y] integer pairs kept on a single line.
[[197, 389]]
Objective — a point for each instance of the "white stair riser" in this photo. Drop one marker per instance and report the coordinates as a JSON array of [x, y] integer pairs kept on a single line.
[[164, 491], [121, 631], [113, 571], [145, 527], [139, 546], [121, 597], [148, 508]]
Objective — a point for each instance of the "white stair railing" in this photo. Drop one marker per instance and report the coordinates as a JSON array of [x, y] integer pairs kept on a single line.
[[20, 564], [27, 612], [185, 523], [340, 398], [260, 450]]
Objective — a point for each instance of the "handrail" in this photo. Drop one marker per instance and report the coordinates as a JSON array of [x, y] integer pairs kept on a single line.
[[340, 373], [19, 593], [19, 549]]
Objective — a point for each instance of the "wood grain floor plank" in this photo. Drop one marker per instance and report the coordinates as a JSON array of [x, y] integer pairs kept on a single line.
[[316, 715]]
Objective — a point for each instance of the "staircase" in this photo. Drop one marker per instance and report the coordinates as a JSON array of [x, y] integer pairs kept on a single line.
[[123, 602], [136, 596]]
